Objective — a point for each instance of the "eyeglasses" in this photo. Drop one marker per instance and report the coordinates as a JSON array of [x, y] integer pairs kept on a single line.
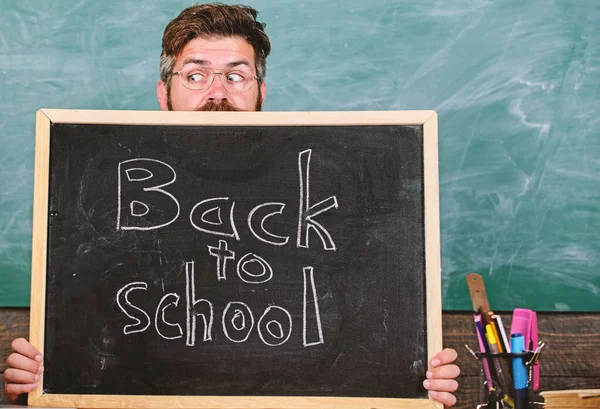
[[235, 80]]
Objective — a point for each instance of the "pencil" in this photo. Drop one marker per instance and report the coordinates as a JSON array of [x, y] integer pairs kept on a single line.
[[502, 370]]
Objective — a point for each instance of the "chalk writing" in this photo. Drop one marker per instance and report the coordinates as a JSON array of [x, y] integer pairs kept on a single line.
[[273, 328], [129, 168], [222, 253], [163, 323], [193, 309], [128, 308], [270, 238], [307, 212], [141, 190], [254, 278], [142, 198], [309, 284], [224, 202], [237, 321]]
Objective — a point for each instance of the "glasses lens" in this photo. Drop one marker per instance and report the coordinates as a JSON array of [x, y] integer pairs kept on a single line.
[[234, 81]]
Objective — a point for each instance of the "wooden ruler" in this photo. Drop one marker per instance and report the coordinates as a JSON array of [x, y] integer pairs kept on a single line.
[[478, 294]]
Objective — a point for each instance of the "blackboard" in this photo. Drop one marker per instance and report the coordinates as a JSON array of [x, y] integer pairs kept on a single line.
[[514, 83], [188, 255]]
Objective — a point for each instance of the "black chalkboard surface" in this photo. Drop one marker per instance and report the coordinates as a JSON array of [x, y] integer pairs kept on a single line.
[[245, 259]]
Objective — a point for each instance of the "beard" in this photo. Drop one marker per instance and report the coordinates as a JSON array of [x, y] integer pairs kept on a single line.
[[224, 105]]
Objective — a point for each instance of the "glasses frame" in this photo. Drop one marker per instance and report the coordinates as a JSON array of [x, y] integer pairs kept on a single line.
[[213, 73]]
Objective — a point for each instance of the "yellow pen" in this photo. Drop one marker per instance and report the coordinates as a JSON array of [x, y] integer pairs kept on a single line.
[[495, 331], [502, 371]]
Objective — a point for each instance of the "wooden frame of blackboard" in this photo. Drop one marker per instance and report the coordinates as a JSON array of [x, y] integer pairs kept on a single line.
[[45, 118]]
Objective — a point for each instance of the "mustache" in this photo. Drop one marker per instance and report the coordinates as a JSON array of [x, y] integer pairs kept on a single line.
[[218, 107]]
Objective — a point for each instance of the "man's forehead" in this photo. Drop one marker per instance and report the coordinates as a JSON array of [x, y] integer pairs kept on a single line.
[[221, 47]]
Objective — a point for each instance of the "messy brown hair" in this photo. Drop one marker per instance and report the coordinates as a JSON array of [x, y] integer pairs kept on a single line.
[[214, 20]]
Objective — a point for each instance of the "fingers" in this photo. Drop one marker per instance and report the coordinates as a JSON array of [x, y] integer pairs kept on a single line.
[[24, 357], [12, 375], [441, 390], [446, 398], [441, 385], [13, 390], [447, 356], [444, 372], [17, 382], [24, 369], [21, 346], [441, 380], [21, 362]]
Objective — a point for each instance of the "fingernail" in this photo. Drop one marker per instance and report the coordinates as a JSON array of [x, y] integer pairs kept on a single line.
[[426, 384], [37, 378], [429, 374], [40, 369], [435, 362], [38, 358]]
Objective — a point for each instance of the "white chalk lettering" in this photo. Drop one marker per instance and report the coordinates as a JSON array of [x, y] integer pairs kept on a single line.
[[168, 326], [208, 213], [235, 325], [274, 328], [193, 309], [249, 277], [137, 194], [144, 204], [141, 321], [142, 208], [262, 234], [131, 174], [222, 253], [140, 186], [309, 286], [307, 212], [231, 230]]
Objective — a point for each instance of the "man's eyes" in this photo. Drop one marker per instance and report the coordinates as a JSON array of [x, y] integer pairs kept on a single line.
[[200, 76], [235, 77], [196, 77]]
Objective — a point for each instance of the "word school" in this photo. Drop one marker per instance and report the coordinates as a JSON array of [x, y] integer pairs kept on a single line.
[[274, 326]]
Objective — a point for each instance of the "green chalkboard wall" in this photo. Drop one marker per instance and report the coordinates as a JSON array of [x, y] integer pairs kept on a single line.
[[516, 86]]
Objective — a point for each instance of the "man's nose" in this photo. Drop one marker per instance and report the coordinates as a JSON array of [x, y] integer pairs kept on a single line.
[[216, 90]]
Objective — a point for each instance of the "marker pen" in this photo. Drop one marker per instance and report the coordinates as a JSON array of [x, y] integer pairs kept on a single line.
[[519, 371]]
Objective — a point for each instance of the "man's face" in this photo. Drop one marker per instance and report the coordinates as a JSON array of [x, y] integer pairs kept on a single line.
[[217, 53]]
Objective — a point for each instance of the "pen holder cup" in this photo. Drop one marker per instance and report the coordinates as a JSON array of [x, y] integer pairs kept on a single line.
[[506, 381]]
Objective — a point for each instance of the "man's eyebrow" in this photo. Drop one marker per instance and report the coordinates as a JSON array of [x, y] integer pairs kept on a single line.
[[236, 63], [195, 61], [231, 64]]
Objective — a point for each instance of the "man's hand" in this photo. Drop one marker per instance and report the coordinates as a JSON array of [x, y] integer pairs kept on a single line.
[[441, 380], [24, 369]]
